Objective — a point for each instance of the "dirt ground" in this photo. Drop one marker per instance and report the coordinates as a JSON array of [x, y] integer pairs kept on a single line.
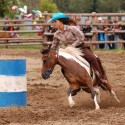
[[47, 99]]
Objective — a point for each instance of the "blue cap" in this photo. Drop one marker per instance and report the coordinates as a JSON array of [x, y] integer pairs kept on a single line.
[[57, 16]]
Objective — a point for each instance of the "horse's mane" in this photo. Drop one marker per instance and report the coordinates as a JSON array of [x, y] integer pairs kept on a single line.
[[73, 51], [43, 51], [76, 52]]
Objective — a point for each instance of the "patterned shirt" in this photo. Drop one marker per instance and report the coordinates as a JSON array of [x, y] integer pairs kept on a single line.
[[71, 35]]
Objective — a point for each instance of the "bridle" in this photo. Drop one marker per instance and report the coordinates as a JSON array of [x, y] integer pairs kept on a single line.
[[49, 58]]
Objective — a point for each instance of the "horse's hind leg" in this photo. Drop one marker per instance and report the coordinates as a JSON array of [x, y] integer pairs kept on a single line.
[[93, 93]]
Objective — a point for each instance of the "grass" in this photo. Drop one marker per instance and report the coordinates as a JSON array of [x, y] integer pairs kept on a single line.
[[38, 47], [23, 47]]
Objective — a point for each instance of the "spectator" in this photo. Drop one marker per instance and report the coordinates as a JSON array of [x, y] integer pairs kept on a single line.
[[7, 22], [110, 36], [106, 34], [86, 29], [7, 27], [122, 35], [16, 28], [115, 27], [101, 36], [36, 27]]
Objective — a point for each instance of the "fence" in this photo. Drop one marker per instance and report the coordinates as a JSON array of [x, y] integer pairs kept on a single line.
[[6, 39]]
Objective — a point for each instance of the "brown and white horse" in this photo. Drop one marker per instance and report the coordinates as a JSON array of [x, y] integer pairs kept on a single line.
[[75, 69]]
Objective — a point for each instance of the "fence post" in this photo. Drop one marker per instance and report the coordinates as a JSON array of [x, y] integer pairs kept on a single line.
[[94, 18], [46, 18]]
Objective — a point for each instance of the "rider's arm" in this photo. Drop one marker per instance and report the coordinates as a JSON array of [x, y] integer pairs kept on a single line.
[[78, 34], [55, 43]]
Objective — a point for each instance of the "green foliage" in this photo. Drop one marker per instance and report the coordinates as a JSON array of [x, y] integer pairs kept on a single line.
[[67, 6], [5, 7], [63, 5], [48, 5], [88, 6], [109, 6], [78, 6]]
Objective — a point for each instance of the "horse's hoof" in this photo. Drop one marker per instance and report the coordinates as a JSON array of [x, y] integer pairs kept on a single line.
[[97, 108], [72, 104]]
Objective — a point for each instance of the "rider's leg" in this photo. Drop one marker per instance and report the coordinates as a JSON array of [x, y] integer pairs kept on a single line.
[[91, 58]]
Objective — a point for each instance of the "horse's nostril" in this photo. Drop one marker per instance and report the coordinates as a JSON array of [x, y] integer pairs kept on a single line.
[[46, 74]]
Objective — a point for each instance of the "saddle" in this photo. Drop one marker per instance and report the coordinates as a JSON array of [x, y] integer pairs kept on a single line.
[[83, 45]]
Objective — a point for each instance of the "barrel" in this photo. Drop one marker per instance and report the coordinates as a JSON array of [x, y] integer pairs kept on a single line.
[[13, 87]]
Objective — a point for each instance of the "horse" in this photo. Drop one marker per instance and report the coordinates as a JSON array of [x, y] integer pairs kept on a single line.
[[76, 70]]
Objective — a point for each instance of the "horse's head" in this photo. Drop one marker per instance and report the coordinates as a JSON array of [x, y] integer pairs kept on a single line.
[[49, 60]]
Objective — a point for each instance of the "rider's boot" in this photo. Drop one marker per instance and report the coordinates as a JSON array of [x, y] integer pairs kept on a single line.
[[103, 80], [99, 74], [104, 83]]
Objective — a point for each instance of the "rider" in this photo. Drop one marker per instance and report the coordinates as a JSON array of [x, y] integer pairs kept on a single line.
[[71, 35]]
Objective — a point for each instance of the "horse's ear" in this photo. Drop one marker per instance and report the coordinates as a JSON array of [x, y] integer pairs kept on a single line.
[[45, 47]]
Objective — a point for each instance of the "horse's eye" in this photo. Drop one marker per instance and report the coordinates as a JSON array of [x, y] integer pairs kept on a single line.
[[44, 60]]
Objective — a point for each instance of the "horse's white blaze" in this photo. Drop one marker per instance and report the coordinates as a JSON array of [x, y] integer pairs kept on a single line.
[[96, 103], [71, 101], [69, 56]]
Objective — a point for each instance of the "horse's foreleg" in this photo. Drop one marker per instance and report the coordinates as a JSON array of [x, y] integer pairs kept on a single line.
[[94, 97], [96, 89], [72, 91], [70, 99]]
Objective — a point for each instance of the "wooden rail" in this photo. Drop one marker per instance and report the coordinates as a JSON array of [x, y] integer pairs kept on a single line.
[[39, 40]]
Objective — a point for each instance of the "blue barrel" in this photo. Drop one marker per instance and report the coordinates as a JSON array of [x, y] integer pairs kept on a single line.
[[13, 87]]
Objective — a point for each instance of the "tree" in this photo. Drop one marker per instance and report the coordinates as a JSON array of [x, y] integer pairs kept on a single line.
[[48, 5], [78, 6], [109, 6], [63, 5], [31, 4], [5, 7], [94, 6], [88, 6]]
